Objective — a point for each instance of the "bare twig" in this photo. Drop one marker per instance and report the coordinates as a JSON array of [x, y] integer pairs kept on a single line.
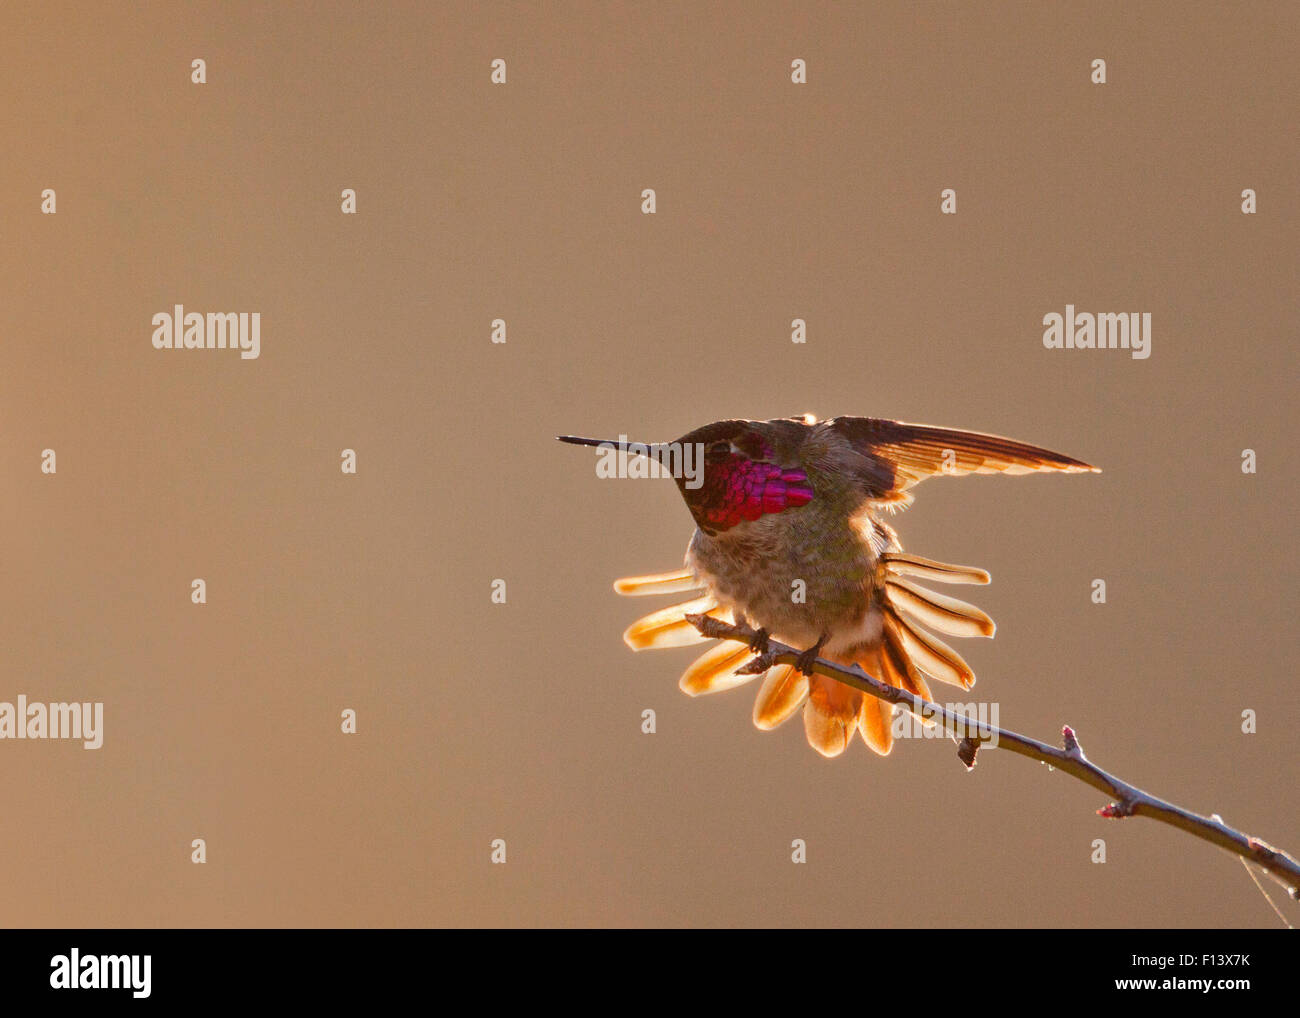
[[1129, 801]]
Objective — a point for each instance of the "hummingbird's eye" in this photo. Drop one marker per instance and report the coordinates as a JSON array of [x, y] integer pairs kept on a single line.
[[717, 450]]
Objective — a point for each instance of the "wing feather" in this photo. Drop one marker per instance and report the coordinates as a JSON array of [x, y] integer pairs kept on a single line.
[[894, 455]]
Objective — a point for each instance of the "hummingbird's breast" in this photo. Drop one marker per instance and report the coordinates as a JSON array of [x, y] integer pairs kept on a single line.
[[798, 577]]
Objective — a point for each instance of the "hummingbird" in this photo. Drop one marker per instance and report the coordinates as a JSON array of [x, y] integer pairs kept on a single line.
[[791, 538]]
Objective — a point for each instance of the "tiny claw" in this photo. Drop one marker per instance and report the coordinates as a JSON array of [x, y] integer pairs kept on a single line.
[[1115, 809], [966, 750], [805, 661], [759, 642]]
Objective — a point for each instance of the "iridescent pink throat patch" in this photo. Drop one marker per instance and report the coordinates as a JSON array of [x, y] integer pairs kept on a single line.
[[748, 489]]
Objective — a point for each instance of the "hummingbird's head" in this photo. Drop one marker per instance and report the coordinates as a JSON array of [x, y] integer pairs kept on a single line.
[[728, 472]]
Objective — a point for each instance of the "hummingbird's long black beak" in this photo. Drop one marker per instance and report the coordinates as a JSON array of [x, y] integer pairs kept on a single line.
[[644, 448]]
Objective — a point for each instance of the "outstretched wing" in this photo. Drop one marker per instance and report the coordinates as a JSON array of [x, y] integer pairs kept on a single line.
[[889, 457]]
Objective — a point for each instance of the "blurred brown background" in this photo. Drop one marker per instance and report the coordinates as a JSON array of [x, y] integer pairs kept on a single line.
[[775, 201]]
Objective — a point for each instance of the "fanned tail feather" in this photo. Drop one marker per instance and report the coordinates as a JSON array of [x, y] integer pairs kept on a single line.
[[875, 717], [834, 711], [668, 627], [677, 582], [830, 716], [928, 569], [906, 656], [783, 692], [939, 611], [715, 669], [930, 654], [901, 672]]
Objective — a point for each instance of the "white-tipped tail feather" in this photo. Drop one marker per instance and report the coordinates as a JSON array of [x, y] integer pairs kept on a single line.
[[668, 627], [939, 611], [715, 670], [784, 691], [928, 569], [658, 583]]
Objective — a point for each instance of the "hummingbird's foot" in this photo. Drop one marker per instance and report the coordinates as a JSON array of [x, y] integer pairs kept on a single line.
[[763, 658], [804, 663]]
